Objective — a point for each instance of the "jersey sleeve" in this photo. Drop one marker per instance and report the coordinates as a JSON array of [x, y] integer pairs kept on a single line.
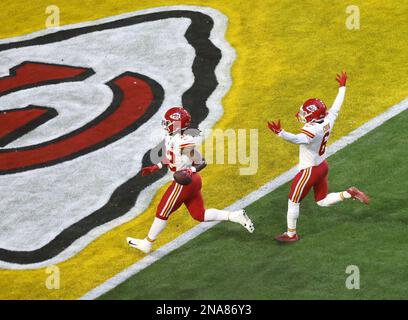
[[187, 142], [309, 130], [335, 109], [300, 138]]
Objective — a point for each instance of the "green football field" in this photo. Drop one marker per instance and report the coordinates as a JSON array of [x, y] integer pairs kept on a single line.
[[226, 262]]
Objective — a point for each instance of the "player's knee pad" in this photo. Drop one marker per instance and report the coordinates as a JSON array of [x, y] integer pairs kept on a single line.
[[293, 209]]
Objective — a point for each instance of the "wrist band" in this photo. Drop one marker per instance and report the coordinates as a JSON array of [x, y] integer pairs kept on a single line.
[[160, 165]]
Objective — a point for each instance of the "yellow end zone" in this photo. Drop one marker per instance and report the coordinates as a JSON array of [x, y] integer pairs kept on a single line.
[[286, 52]]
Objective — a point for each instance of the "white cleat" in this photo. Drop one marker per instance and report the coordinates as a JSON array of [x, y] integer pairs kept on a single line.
[[241, 217], [141, 244]]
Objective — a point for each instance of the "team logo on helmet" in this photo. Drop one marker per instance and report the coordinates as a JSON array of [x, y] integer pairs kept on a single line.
[[312, 110], [175, 116]]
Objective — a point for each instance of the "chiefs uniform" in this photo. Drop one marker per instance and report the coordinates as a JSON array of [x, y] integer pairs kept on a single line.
[[175, 144], [177, 148], [313, 167], [312, 140], [180, 155]]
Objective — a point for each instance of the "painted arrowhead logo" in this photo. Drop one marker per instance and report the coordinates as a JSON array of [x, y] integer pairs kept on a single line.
[[79, 111], [135, 99]]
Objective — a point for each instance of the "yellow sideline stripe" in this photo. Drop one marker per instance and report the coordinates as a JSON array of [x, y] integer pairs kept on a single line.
[[287, 52]]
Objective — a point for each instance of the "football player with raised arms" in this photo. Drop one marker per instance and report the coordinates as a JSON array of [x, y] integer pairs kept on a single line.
[[182, 158], [312, 154]]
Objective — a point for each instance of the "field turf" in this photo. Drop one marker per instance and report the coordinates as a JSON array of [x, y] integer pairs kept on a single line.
[[226, 262], [286, 51]]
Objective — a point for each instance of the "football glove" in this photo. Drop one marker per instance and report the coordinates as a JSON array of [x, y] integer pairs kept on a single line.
[[148, 170], [342, 78], [275, 127]]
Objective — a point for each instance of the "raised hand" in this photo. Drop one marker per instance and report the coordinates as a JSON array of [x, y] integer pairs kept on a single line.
[[275, 127], [342, 78]]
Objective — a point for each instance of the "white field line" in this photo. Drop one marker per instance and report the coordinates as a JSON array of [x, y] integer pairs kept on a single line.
[[241, 203]]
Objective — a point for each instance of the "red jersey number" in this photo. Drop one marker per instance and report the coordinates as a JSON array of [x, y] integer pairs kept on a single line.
[[171, 159], [322, 149]]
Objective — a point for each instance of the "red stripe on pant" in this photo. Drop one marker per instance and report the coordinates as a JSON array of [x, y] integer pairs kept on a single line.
[[315, 177], [177, 194]]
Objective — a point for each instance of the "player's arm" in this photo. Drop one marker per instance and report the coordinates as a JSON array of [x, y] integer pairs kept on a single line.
[[301, 138], [335, 109], [150, 169], [198, 160]]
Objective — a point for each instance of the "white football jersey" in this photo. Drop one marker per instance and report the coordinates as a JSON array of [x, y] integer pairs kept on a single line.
[[313, 153], [174, 146], [313, 139]]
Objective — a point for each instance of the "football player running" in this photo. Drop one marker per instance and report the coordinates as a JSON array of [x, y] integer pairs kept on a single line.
[[181, 155], [313, 167]]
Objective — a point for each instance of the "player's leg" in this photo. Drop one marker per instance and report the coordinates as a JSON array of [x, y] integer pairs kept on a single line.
[[321, 192], [325, 199], [292, 217], [350, 193], [170, 202], [238, 216], [300, 187], [195, 205]]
